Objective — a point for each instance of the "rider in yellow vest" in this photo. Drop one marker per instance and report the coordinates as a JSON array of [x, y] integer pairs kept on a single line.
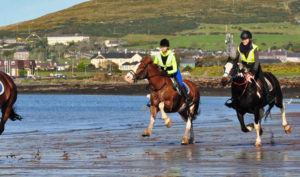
[[167, 61], [247, 52]]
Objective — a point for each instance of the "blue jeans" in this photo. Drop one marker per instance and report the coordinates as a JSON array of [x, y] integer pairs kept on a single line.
[[178, 77]]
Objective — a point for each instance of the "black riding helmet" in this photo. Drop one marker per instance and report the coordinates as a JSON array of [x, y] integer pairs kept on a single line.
[[164, 43], [246, 35]]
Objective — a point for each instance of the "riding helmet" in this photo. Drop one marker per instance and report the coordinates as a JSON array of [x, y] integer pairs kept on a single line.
[[246, 35], [164, 43]]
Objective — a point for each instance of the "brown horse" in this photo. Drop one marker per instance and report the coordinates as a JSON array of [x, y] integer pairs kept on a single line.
[[7, 99], [165, 98]]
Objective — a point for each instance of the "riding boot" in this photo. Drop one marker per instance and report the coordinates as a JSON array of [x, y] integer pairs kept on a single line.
[[231, 104], [188, 100]]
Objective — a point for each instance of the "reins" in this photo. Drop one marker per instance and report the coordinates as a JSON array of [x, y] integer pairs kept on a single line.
[[149, 77]]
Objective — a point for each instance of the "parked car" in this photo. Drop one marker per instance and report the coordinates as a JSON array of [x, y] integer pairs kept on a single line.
[[31, 77], [60, 76]]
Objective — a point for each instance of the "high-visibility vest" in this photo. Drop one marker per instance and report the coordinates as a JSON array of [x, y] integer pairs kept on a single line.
[[251, 56], [169, 59]]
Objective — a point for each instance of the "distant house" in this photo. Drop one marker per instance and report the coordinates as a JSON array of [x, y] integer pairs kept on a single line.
[[66, 38], [45, 66], [13, 67], [154, 52], [128, 66], [101, 60], [293, 57], [21, 55], [113, 43], [187, 62], [272, 56], [10, 41]]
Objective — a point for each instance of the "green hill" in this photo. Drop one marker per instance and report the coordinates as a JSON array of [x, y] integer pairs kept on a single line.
[[156, 17]]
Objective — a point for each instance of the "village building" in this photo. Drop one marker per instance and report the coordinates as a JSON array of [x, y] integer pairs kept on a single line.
[[188, 62], [21, 54], [15, 67], [102, 60], [293, 57], [66, 38]]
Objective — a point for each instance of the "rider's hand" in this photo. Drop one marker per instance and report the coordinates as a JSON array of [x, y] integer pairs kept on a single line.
[[164, 73], [249, 76]]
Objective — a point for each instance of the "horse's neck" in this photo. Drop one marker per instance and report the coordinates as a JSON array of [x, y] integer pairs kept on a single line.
[[155, 79]]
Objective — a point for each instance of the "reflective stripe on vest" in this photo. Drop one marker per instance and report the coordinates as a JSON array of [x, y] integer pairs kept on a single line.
[[251, 56], [168, 62]]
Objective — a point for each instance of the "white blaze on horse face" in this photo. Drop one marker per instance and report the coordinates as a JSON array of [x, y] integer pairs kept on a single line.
[[129, 77], [228, 68]]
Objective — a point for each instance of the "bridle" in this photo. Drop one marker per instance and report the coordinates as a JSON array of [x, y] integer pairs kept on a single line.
[[136, 76], [246, 82]]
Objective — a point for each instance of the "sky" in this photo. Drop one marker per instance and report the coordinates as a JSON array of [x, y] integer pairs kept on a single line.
[[13, 11]]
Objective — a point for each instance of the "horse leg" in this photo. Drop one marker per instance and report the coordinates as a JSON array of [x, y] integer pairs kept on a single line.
[[164, 115], [6, 111], [153, 111], [185, 139], [241, 120], [257, 125], [191, 140], [287, 127]]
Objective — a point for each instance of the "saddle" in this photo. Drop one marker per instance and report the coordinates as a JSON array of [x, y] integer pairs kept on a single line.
[[176, 86]]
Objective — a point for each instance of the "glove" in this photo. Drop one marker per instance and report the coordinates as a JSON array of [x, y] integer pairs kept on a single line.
[[248, 76], [164, 73]]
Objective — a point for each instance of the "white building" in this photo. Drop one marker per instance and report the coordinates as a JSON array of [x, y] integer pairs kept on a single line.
[[21, 55], [293, 57], [118, 58], [66, 38]]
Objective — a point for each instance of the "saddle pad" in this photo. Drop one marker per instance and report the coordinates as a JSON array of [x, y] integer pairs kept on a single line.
[[176, 87], [1, 88]]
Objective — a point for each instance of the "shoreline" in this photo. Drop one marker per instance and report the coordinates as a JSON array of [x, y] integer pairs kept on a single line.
[[118, 88]]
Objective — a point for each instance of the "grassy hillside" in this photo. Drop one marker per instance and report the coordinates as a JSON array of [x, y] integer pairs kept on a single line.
[[119, 18]]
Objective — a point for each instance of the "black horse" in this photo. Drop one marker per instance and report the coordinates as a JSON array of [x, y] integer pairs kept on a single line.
[[8, 97], [248, 97]]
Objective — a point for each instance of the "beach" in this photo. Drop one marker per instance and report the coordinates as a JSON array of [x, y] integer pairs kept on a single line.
[[72, 146]]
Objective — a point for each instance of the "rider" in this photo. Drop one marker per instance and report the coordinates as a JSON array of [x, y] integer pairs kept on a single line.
[[167, 61], [248, 53]]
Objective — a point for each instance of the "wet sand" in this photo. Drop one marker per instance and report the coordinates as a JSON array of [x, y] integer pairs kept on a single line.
[[220, 150]]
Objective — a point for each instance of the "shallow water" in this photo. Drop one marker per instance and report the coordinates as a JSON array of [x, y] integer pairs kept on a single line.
[[90, 135], [62, 113]]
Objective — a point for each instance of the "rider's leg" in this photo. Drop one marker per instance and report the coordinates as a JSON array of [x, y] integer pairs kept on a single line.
[[183, 89], [265, 89]]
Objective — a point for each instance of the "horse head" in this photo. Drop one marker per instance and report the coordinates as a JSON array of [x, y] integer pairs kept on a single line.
[[140, 71], [230, 70]]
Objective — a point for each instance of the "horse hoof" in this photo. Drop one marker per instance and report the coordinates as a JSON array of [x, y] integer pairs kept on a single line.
[[191, 141], [288, 129], [146, 133], [169, 124], [257, 145], [184, 141]]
